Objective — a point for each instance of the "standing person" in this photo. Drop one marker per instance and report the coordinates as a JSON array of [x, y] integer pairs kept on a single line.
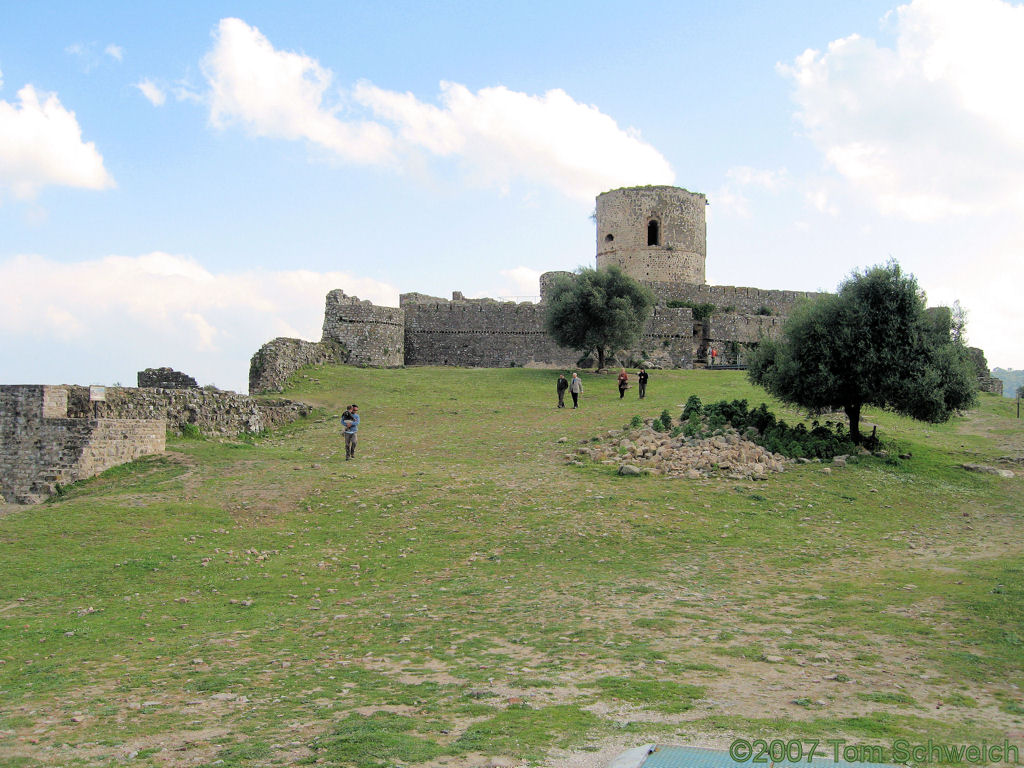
[[351, 425], [560, 388], [575, 388], [641, 380], [714, 356], [623, 382]]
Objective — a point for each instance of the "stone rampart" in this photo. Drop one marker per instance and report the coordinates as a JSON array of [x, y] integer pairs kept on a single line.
[[988, 384], [732, 299], [373, 335], [213, 412], [481, 333], [743, 329], [41, 448], [165, 378], [276, 360]]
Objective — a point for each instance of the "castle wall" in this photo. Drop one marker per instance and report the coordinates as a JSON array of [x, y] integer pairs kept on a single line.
[[373, 335], [623, 216], [727, 297], [40, 447], [278, 359], [481, 333], [213, 412]]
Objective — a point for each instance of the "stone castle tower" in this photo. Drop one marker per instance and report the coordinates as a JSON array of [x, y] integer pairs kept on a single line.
[[654, 234]]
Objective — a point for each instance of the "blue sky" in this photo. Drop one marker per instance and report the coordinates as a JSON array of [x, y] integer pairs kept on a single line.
[[180, 183]]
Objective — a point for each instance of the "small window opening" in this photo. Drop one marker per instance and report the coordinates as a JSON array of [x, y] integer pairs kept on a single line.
[[608, 238], [652, 234]]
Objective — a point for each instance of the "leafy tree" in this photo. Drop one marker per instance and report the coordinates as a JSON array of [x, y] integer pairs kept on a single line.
[[597, 309], [872, 343]]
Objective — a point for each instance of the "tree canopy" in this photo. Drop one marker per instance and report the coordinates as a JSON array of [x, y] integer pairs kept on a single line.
[[872, 343], [597, 309]]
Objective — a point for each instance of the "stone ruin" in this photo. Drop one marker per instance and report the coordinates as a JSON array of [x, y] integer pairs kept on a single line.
[[165, 378], [656, 235], [52, 436]]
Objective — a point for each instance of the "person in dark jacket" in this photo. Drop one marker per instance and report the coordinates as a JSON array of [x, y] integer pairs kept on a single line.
[[641, 381], [562, 385]]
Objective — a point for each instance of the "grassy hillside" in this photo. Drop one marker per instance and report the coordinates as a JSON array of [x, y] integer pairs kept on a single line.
[[458, 593]]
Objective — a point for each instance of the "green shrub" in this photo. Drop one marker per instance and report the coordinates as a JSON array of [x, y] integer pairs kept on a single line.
[[701, 312], [764, 309], [190, 432], [636, 422], [666, 420], [693, 405]]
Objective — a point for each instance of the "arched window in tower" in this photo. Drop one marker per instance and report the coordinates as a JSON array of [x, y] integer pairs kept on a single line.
[[609, 238], [653, 235]]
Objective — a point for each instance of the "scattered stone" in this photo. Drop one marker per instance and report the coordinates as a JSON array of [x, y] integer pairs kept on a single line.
[[629, 470], [821, 657], [987, 470], [773, 659]]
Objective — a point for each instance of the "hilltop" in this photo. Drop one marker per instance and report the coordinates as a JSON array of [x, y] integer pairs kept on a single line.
[[460, 593]]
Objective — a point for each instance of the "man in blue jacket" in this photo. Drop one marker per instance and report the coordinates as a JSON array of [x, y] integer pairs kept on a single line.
[[350, 421]]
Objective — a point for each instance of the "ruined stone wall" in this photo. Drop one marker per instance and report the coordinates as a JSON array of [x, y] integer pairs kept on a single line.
[[728, 298], [276, 360], [373, 335], [988, 384], [40, 447], [213, 412], [482, 333], [623, 218], [165, 378], [667, 340]]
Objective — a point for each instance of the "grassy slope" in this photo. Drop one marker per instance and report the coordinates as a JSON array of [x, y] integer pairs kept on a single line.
[[458, 591]]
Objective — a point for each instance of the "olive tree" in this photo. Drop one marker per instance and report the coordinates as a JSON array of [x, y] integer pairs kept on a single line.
[[871, 343], [597, 309]]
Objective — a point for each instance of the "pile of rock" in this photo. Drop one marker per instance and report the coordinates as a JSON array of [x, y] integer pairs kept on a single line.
[[645, 450]]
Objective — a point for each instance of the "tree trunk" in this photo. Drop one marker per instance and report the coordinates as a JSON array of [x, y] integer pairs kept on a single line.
[[600, 358], [853, 415]]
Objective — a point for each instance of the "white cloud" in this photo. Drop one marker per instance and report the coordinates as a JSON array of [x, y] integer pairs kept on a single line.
[[501, 135], [524, 281], [114, 52], [281, 94], [41, 144], [498, 135], [157, 309], [929, 128], [152, 92], [732, 197]]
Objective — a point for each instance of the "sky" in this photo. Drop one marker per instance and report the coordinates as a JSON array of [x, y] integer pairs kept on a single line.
[[182, 182]]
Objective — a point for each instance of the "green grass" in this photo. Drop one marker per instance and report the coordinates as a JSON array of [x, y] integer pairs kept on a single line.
[[461, 590]]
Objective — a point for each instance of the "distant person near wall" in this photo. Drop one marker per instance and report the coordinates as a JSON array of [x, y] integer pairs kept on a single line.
[[623, 382], [560, 388], [641, 381]]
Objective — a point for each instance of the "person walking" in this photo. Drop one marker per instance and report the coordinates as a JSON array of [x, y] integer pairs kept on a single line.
[[575, 389], [641, 381], [623, 382], [350, 421], [562, 385]]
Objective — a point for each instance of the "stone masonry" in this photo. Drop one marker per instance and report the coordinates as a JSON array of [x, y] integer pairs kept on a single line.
[[40, 447], [165, 378], [54, 435], [655, 234]]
